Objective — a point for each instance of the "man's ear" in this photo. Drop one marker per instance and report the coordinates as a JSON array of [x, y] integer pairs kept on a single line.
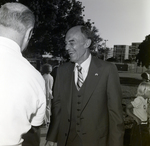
[[88, 43], [28, 34], [26, 38]]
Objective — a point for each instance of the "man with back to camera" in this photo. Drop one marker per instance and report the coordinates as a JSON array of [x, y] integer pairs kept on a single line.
[[22, 88], [86, 109]]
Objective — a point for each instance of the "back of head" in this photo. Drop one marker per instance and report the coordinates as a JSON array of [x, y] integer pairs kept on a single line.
[[146, 76], [144, 89], [46, 68], [16, 16]]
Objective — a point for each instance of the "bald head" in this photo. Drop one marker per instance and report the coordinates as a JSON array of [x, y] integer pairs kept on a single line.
[[84, 30], [16, 23], [16, 16]]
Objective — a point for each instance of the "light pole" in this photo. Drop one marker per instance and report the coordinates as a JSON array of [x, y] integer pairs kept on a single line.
[[105, 49], [105, 43]]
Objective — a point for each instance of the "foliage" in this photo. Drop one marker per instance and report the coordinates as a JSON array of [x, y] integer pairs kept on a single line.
[[102, 52], [143, 57], [53, 19], [112, 59]]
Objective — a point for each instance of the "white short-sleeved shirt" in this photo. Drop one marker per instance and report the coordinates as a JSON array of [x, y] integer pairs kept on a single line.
[[48, 84], [22, 94], [140, 108]]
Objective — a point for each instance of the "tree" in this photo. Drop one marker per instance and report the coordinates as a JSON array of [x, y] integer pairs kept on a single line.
[[143, 57], [53, 19]]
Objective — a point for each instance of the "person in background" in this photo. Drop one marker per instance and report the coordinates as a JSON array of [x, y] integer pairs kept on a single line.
[[22, 88], [46, 70], [146, 76], [137, 109], [86, 109]]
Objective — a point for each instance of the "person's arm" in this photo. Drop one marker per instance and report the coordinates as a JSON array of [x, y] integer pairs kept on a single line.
[[114, 95], [51, 87], [52, 133], [129, 107]]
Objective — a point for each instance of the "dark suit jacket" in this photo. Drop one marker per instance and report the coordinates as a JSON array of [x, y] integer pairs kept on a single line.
[[101, 121]]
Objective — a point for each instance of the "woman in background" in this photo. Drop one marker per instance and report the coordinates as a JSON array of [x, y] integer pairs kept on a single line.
[[46, 70]]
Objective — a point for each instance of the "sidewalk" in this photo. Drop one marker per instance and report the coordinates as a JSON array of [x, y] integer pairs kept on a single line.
[[43, 135]]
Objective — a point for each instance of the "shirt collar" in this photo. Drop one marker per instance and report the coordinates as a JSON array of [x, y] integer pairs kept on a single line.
[[9, 44], [85, 65]]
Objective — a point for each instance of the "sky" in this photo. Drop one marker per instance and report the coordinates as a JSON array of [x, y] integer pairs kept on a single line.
[[121, 22]]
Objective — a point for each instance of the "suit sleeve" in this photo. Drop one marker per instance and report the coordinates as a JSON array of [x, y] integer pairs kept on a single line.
[[116, 124], [52, 133]]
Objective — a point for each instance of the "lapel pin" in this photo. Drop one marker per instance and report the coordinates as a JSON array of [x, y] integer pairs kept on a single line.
[[96, 74]]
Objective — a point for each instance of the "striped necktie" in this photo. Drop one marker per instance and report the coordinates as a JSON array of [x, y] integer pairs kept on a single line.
[[80, 77]]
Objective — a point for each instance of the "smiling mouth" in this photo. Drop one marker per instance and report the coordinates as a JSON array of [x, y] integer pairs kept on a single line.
[[71, 53]]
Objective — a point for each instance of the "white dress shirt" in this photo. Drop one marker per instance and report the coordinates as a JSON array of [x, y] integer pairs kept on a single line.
[[85, 68], [22, 94]]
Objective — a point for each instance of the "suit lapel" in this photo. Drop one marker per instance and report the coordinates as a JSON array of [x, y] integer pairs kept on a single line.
[[92, 80]]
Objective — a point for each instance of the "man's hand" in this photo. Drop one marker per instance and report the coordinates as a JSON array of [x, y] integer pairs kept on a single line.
[[50, 143]]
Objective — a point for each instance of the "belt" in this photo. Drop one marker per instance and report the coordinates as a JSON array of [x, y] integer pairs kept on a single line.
[[144, 122]]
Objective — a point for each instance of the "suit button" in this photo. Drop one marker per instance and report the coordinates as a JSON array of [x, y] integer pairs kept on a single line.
[[68, 120], [78, 109], [79, 102], [78, 124], [79, 95]]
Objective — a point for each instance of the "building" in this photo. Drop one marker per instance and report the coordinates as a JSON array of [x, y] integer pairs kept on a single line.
[[133, 50], [125, 52], [121, 52], [110, 53]]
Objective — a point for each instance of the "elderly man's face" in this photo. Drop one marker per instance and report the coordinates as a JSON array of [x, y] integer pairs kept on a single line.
[[75, 45]]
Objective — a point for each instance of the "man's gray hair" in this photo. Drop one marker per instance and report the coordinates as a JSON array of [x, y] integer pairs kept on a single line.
[[16, 16]]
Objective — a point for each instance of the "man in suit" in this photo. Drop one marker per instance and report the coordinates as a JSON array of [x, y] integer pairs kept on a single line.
[[86, 109]]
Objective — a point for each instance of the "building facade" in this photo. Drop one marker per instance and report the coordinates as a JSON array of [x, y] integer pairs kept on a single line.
[[126, 52], [133, 50], [121, 52]]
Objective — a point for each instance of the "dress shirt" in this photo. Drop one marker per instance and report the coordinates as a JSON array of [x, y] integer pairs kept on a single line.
[[85, 68], [22, 94]]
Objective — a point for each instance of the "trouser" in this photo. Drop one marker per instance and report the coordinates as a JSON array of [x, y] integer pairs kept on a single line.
[[140, 135], [31, 138]]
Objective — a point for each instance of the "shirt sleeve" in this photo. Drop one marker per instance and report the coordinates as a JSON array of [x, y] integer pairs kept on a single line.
[[137, 102], [38, 116]]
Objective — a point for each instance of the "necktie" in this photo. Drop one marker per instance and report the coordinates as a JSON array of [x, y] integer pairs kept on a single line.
[[80, 77]]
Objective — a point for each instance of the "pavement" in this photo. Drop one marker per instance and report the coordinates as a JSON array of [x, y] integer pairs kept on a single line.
[[43, 135]]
